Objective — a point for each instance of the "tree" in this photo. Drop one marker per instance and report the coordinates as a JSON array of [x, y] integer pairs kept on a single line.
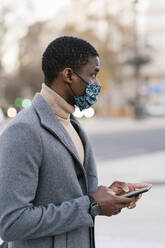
[[109, 31]]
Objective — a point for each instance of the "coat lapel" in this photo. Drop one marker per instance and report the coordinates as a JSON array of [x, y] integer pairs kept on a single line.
[[51, 123]]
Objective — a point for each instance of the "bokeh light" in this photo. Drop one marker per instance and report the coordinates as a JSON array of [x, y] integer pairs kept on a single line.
[[77, 113], [89, 113], [11, 112], [18, 102], [26, 103]]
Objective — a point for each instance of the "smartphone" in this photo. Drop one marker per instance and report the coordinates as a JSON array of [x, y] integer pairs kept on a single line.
[[131, 194], [136, 192]]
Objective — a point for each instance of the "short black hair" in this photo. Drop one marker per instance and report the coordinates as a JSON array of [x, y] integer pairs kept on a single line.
[[65, 51]]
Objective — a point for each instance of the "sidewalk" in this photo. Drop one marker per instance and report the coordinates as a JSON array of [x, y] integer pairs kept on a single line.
[[143, 168], [143, 226], [108, 125]]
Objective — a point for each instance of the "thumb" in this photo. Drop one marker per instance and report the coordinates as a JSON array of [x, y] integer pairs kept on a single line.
[[125, 187]]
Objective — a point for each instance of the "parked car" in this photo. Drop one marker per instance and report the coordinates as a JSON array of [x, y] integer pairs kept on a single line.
[[155, 109]]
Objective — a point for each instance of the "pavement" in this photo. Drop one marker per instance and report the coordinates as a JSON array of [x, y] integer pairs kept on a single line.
[[98, 126], [142, 227]]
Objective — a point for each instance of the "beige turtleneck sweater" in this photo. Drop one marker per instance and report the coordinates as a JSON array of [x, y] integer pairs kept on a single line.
[[62, 109]]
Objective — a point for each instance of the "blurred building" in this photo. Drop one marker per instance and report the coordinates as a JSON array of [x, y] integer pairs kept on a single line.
[[154, 74], [143, 62], [155, 36]]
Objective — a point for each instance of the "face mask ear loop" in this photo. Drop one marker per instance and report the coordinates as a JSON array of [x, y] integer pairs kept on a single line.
[[84, 81], [71, 90]]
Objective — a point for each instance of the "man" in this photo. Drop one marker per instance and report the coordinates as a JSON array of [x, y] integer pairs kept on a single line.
[[49, 190]]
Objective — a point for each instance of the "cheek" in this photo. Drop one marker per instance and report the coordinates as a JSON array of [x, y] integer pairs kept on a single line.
[[79, 88]]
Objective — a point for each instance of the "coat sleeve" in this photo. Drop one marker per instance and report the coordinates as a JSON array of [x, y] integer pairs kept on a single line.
[[20, 161]]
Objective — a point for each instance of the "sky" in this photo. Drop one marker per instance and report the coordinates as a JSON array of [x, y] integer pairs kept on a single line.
[[43, 9], [47, 8], [25, 12]]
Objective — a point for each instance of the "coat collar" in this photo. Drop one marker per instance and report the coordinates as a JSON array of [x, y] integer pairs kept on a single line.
[[58, 104], [49, 121]]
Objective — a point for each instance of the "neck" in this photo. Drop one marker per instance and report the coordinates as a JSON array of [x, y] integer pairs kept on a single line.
[[58, 103], [63, 93]]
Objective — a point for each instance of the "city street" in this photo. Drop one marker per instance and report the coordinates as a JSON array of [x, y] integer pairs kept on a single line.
[[143, 226], [127, 144], [131, 151]]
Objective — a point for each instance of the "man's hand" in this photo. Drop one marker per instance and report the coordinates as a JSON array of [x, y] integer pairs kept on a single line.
[[109, 202], [120, 188]]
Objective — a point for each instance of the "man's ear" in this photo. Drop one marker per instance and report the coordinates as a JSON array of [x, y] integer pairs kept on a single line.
[[67, 75]]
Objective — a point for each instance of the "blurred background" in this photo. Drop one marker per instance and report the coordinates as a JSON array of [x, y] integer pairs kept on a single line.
[[126, 125]]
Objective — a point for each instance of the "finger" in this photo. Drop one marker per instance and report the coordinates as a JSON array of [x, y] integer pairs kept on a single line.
[[131, 187], [136, 198], [125, 187], [139, 197], [141, 185], [121, 186], [132, 206], [133, 198], [124, 201]]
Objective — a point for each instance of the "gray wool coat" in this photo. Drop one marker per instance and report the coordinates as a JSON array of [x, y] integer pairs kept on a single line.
[[44, 187]]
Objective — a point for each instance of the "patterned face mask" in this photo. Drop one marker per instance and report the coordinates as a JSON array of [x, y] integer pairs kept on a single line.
[[90, 97]]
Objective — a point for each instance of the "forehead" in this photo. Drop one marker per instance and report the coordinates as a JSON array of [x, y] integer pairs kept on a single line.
[[92, 65]]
